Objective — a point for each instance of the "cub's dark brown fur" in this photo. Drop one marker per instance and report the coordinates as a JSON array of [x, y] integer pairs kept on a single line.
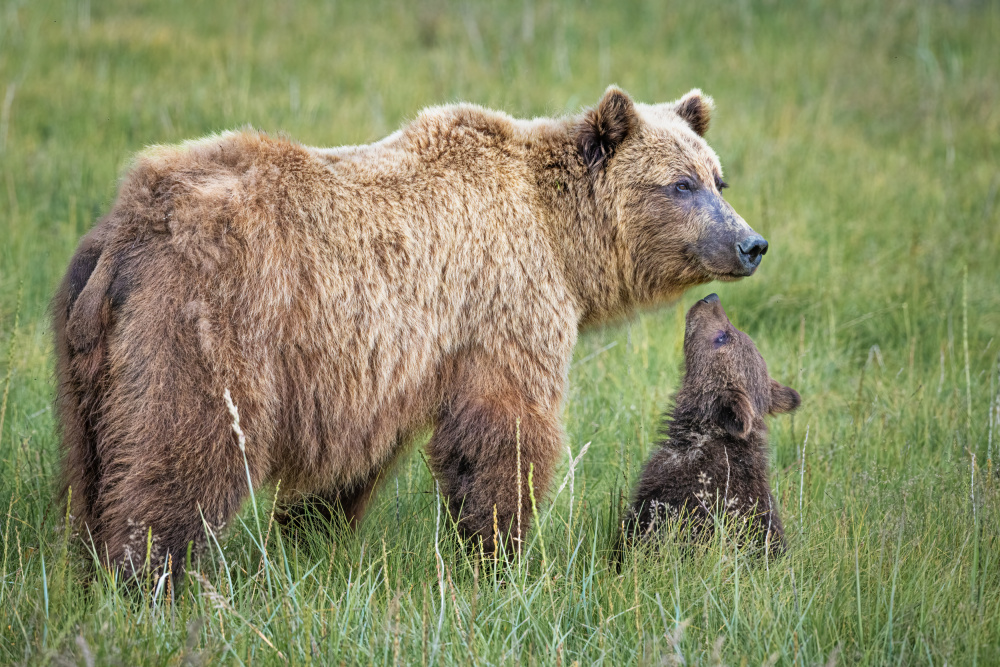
[[714, 459], [349, 298]]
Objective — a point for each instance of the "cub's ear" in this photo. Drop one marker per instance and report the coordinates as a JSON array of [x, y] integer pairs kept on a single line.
[[735, 413], [605, 127], [783, 399], [695, 109]]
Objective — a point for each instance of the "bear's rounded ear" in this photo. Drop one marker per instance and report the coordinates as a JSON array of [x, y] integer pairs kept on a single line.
[[783, 399], [735, 413], [695, 109], [605, 127]]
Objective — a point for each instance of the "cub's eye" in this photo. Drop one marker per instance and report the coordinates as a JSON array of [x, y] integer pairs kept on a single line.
[[682, 186], [721, 339], [721, 184]]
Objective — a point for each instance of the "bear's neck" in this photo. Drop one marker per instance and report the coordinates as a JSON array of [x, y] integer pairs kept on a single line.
[[592, 259]]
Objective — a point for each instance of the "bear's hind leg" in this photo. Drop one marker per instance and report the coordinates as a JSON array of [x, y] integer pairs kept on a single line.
[[151, 522], [170, 473]]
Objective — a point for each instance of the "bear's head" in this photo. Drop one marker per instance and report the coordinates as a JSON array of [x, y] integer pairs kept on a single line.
[[660, 185], [726, 381]]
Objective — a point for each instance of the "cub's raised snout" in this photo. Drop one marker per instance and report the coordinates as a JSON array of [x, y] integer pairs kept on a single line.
[[711, 298]]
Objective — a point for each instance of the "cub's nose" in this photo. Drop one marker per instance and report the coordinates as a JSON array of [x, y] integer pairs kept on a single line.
[[711, 298], [751, 249]]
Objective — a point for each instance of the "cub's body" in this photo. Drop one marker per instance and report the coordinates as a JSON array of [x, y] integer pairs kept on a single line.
[[714, 459]]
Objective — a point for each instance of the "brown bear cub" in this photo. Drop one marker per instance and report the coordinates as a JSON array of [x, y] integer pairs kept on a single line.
[[714, 460]]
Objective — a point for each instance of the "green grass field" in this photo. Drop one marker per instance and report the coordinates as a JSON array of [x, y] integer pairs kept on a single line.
[[861, 138]]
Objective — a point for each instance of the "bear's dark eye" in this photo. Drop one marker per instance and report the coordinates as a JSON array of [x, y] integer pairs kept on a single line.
[[721, 339], [682, 186], [721, 184]]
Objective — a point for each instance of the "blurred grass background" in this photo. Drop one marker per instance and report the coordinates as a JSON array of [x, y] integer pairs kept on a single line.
[[862, 139]]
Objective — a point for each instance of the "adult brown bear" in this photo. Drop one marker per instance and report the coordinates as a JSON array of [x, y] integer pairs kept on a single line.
[[351, 297]]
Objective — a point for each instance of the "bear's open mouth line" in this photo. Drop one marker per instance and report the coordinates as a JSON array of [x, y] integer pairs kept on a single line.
[[730, 276], [723, 276]]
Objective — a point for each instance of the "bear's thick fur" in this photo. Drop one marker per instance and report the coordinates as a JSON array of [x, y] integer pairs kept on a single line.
[[714, 458], [350, 297]]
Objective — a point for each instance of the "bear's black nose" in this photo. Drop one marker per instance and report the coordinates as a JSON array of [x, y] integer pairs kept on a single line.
[[711, 298], [751, 250]]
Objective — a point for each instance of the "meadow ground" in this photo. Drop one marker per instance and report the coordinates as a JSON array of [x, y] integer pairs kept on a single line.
[[861, 138]]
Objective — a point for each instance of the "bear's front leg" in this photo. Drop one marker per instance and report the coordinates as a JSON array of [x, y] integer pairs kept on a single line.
[[482, 447]]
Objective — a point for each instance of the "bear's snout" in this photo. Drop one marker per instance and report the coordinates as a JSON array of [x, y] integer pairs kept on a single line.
[[728, 247], [750, 250]]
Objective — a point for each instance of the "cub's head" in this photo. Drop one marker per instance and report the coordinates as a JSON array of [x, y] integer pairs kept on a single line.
[[726, 380], [658, 181]]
